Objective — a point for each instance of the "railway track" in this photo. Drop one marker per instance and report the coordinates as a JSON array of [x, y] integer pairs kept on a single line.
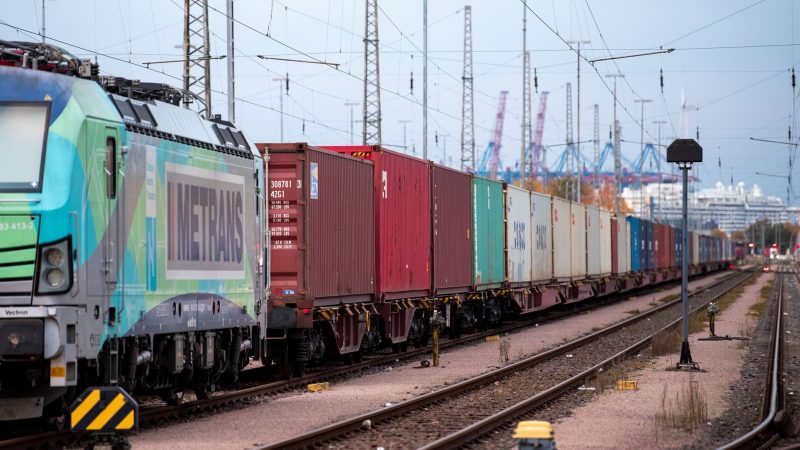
[[492, 400], [154, 415], [768, 430]]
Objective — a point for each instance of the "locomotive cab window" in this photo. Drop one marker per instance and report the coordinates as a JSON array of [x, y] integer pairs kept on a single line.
[[23, 141], [110, 167]]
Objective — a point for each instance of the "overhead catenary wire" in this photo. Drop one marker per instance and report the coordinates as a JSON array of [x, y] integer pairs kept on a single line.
[[356, 77], [122, 60]]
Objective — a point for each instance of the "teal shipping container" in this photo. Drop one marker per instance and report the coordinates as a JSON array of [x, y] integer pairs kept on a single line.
[[488, 232]]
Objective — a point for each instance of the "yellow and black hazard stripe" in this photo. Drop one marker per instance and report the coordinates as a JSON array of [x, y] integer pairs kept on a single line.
[[361, 154], [326, 314], [104, 410]]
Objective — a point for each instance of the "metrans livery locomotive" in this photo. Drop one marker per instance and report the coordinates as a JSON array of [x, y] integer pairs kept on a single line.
[[131, 249]]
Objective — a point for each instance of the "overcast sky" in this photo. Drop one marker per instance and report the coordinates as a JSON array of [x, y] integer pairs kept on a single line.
[[732, 62]]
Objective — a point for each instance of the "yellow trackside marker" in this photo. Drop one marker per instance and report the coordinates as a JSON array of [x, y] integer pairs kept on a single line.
[[319, 387], [494, 338], [85, 406], [127, 422], [103, 418], [627, 385]]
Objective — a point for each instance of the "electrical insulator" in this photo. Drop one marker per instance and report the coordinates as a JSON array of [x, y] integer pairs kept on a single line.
[[793, 79], [411, 83], [436, 137], [661, 74], [287, 84], [698, 133], [790, 133], [304, 127], [535, 81]]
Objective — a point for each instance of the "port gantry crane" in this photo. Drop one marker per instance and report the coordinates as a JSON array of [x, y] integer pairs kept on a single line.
[[491, 156], [535, 147]]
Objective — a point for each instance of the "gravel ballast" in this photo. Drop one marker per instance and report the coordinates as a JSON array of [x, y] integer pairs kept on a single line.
[[298, 412]]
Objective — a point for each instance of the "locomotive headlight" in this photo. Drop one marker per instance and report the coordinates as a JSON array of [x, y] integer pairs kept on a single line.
[[55, 278], [54, 267], [55, 257]]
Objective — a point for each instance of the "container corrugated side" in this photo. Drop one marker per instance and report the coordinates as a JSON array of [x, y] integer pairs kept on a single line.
[[605, 242], [625, 242], [314, 194], [403, 224], [518, 235], [649, 235], [562, 255], [451, 205], [657, 241], [542, 255], [635, 244], [578, 240], [672, 256], [592, 241], [488, 251], [614, 245], [695, 248]]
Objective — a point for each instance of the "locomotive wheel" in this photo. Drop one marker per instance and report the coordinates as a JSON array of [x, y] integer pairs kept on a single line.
[[299, 369], [57, 414], [285, 364]]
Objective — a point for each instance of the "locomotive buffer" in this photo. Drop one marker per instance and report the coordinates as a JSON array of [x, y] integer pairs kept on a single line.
[[684, 152], [106, 413]]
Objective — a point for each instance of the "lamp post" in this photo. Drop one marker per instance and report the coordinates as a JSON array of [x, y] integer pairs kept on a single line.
[[684, 152]]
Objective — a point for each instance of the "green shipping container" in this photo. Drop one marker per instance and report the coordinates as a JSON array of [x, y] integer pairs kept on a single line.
[[488, 232]]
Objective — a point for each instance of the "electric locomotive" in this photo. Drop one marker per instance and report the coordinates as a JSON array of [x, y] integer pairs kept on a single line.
[[131, 237]]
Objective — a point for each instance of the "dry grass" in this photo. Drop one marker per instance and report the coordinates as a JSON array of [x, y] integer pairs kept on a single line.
[[624, 370], [757, 309], [666, 342], [669, 298], [633, 311], [687, 410]]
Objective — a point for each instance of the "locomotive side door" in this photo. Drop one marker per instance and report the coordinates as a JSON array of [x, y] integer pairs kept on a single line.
[[114, 207]]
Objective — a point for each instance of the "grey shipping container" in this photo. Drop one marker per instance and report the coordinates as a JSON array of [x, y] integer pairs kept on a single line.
[[578, 240]]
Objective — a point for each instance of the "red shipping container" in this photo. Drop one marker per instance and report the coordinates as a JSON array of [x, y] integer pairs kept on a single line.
[[451, 214], [663, 248], [614, 245], [321, 220], [672, 255], [403, 221]]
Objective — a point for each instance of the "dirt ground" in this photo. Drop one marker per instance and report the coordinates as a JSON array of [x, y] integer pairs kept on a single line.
[[636, 418]]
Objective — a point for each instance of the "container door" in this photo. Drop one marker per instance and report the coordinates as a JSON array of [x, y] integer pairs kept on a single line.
[[518, 235], [542, 254]]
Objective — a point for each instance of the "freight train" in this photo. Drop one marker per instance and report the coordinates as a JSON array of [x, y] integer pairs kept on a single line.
[[144, 246], [368, 244]]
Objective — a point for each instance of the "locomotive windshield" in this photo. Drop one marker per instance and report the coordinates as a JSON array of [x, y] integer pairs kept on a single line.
[[23, 133]]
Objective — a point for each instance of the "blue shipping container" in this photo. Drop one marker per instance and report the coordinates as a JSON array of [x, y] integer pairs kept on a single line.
[[650, 246], [636, 243]]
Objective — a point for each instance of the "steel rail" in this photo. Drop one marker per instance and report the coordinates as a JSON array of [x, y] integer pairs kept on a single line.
[[490, 423], [353, 424], [155, 414], [774, 384]]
